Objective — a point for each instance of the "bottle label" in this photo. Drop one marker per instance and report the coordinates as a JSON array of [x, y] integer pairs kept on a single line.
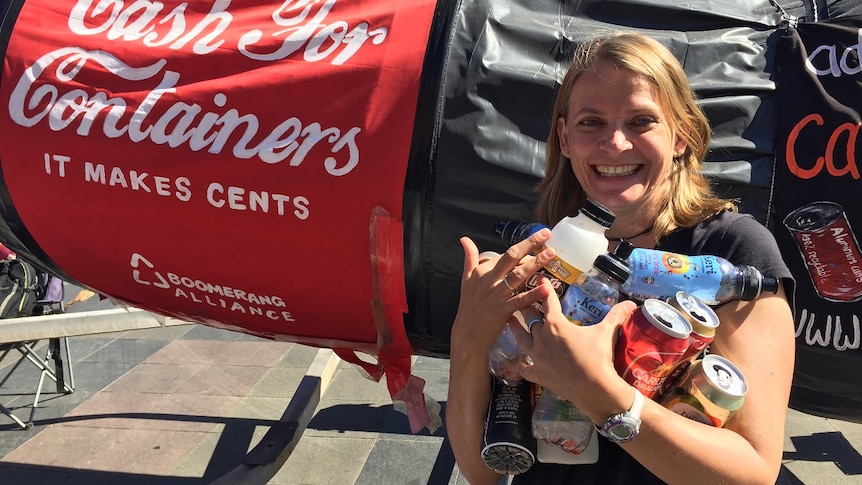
[[660, 274], [581, 309], [567, 273], [559, 285]]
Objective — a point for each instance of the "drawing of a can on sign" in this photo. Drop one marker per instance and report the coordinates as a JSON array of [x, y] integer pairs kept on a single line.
[[829, 249]]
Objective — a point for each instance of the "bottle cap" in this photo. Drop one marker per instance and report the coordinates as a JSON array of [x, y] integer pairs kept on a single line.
[[613, 266], [501, 226], [770, 284], [506, 230], [754, 283], [598, 213], [514, 231], [624, 249]]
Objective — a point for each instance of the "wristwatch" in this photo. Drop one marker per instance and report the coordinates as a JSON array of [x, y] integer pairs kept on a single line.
[[623, 427]]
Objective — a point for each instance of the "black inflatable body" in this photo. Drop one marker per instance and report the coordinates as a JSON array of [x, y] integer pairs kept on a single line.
[[503, 62]]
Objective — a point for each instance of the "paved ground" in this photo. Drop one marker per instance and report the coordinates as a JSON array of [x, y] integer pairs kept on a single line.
[[182, 405]]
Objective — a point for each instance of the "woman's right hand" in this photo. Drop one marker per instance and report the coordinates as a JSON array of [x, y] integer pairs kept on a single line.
[[489, 287]]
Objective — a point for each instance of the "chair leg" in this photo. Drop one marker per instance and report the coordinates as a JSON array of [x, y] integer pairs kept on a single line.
[[38, 394], [69, 361], [9, 413]]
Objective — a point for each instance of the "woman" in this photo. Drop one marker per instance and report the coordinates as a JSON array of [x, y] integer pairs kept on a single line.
[[628, 134]]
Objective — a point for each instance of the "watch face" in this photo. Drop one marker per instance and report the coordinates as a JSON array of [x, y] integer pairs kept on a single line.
[[621, 432], [621, 429]]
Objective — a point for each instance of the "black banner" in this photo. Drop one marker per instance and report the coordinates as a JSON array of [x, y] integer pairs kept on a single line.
[[817, 211]]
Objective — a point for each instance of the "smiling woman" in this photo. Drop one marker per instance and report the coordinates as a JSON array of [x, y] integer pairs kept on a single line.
[[628, 133]]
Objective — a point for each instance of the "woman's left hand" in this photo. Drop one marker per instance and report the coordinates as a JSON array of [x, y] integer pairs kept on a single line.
[[573, 361]]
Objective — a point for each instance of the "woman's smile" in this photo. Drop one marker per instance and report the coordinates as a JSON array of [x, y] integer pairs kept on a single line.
[[616, 170]]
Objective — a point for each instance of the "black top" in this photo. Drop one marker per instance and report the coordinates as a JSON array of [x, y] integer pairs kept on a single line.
[[740, 239]]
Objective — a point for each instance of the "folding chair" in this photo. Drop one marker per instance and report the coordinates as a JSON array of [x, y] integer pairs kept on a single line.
[[50, 303], [53, 352]]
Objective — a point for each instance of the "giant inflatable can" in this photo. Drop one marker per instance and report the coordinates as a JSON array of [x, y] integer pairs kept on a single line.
[[238, 164]]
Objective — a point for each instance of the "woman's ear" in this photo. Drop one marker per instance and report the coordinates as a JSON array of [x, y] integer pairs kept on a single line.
[[563, 135], [679, 147]]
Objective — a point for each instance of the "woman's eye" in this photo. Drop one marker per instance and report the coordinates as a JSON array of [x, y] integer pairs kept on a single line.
[[644, 122], [589, 122]]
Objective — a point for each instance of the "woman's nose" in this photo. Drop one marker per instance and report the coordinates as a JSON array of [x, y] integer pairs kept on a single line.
[[616, 140]]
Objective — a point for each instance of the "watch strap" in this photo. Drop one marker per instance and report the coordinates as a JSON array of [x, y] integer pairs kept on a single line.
[[628, 421]]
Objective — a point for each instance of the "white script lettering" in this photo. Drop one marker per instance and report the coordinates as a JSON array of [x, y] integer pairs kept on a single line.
[[35, 98], [144, 20], [300, 31], [824, 60], [824, 337], [138, 21]]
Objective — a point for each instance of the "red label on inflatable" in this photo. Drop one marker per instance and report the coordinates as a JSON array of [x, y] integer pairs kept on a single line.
[[216, 161]]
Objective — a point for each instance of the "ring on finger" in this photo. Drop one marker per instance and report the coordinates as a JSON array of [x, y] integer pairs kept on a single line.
[[506, 282], [533, 321]]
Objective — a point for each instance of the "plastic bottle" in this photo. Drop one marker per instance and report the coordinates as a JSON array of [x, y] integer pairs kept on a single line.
[[594, 293], [505, 355], [578, 241], [556, 420], [514, 231], [712, 279], [660, 274]]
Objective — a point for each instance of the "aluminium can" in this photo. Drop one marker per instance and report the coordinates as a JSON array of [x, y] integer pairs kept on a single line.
[[702, 318], [710, 392], [704, 323], [508, 445], [651, 343]]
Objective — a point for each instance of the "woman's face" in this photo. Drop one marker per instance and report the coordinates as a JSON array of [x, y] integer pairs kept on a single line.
[[619, 141]]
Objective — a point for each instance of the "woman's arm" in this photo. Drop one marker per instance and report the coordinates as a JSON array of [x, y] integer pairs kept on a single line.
[[485, 305], [757, 336]]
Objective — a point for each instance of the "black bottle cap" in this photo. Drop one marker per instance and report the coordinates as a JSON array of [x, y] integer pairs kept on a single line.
[[754, 283], [613, 266], [624, 249], [506, 230], [770, 284], [500, 227], [598, 213]]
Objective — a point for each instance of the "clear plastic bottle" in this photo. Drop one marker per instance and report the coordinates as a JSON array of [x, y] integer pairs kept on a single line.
[[505, 355], [712, 279], [594, 293], [556, 420], [660, 274]]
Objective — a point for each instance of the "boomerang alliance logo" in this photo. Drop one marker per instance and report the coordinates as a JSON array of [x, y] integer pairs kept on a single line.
[[200, 292]]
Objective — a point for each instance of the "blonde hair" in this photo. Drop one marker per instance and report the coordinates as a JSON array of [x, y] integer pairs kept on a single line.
[[690, 198]]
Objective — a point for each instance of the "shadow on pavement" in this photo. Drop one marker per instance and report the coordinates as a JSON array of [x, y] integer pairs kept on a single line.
[[16, 473], [823, 447]]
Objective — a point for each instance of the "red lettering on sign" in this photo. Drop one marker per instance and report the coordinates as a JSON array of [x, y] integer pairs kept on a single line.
[[828, 158]]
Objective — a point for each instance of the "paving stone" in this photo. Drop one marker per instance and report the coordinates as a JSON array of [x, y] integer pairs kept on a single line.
[[404, 461], [326, 460]]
